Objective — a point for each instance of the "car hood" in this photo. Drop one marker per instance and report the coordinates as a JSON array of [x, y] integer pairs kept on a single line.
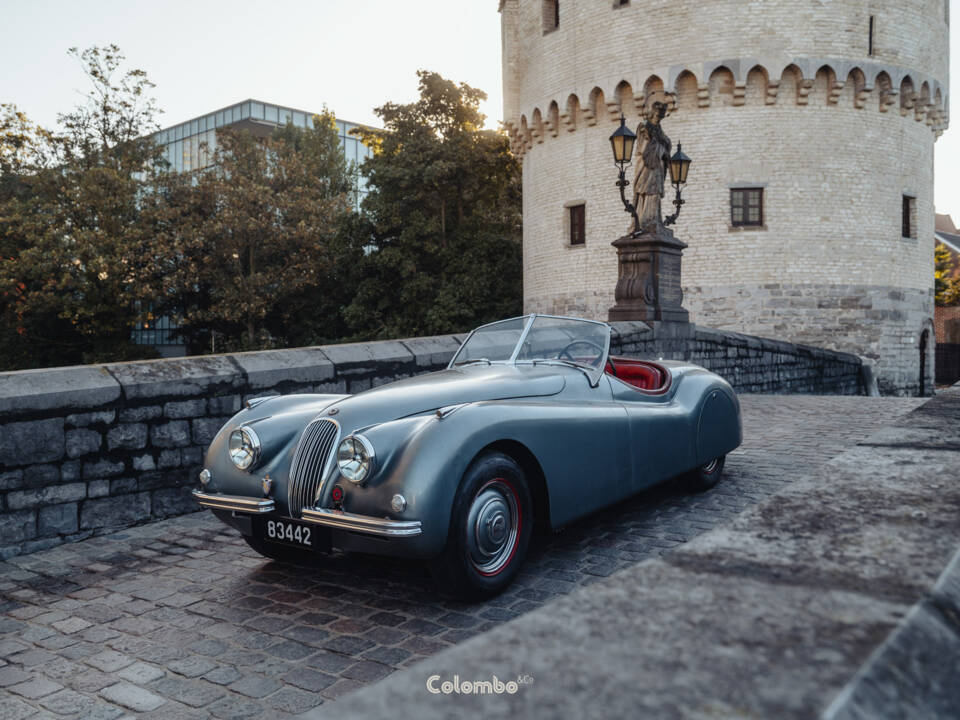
[[473, 383]]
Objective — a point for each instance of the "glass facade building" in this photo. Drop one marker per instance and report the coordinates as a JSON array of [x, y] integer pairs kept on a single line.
[[190, 145]]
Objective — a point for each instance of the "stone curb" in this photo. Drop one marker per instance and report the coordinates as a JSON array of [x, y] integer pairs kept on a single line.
[[914, 673]]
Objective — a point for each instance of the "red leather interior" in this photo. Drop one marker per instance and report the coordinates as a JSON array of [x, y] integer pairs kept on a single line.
[[640, 374]]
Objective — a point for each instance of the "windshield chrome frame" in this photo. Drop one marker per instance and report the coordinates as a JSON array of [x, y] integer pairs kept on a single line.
[[593, 374]]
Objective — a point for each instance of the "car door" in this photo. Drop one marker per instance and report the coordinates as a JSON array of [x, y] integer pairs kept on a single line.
[[660, 432]]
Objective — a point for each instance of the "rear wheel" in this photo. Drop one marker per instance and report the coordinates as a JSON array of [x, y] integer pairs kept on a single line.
[[490, 528], [706, 476], [281, 553]]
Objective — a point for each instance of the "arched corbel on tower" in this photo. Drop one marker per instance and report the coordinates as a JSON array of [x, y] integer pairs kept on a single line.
[[536, 126], [551, 122], [937, 112], [908, 95], [886, 93], [686, 91], [623, 96], [856, 86], [923, 105], [595, 107], [791, 79], [804, 88], [834, 85], [654, 85], [571, 112], [526, 141], [721, 86], [824, 91], [756, 86]]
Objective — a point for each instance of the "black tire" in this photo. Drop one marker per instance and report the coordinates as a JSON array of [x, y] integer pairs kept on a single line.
[[281, 553], [706, 476], [493, 495]]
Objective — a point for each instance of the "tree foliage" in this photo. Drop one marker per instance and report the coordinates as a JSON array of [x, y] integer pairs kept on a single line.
[[445, 251], [946, 279], [264, 248], [241, 247], [72, 246]]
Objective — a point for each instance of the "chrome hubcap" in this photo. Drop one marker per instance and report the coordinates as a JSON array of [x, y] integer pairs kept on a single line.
[[711, 466], [492, 524]]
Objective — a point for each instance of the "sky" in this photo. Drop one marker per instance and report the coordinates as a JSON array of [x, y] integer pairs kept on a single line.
[[351, 55]]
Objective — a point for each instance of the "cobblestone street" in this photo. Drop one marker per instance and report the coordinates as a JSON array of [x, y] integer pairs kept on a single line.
[[181, 619]]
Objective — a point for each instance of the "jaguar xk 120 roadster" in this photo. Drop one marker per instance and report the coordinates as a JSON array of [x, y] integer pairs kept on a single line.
[[531, 423]]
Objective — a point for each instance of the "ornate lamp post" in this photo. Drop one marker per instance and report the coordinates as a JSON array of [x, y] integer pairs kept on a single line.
[[649, 256]]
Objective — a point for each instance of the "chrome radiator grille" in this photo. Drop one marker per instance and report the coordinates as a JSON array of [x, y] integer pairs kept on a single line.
[[311, 459]]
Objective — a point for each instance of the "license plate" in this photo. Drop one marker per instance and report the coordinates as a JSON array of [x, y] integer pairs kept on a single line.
[[290, 533]]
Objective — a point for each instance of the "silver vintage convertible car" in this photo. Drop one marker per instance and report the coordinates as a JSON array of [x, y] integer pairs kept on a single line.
[[531, 422]]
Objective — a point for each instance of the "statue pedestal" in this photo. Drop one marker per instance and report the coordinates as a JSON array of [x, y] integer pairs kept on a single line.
[[648, 284]]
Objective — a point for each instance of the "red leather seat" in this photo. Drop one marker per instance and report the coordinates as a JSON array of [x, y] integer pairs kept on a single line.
[[641, 375]]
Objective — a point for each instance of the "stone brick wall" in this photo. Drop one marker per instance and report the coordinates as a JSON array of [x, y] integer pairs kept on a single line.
[[779, 95], [92, 448]]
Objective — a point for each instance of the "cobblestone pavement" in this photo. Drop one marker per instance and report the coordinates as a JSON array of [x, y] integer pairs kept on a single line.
[[181, 619]]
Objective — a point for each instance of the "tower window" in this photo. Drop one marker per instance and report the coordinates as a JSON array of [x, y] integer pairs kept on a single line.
[[578, 224], [746, 207], [620, 3], [908, 217], [870, 36], [551, 15]]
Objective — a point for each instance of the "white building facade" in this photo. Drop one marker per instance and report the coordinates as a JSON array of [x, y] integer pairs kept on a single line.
[[811, 125]]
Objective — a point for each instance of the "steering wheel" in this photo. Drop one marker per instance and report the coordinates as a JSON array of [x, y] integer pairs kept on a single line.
[[590, 344]]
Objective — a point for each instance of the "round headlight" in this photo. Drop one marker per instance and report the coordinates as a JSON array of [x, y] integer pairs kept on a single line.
[[355, 458], [244, 447]]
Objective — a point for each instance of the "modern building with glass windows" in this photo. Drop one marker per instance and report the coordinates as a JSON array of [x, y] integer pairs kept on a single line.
[[191, 144]]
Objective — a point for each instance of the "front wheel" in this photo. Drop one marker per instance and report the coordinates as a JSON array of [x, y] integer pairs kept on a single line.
[[490, 527], [706, 476]]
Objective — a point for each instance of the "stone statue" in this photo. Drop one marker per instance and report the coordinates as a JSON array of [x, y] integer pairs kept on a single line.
[[652, 158]]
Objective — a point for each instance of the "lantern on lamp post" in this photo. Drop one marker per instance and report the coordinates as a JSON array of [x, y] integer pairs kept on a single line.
[[622, 142], [679, 166]]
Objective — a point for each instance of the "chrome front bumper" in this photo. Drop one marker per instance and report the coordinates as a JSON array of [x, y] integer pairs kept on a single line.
[[361, 523], [336, 519], [237, 503]]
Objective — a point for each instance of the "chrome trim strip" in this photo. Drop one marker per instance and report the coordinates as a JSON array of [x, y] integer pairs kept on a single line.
[[237, 503], [340, 520]]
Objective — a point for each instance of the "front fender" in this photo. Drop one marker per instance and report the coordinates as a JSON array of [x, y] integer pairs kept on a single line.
[[425, 458]]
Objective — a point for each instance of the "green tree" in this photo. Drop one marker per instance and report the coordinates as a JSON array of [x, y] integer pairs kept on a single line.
[[444, 203], [69, 221], [946, 282], [244, 249]]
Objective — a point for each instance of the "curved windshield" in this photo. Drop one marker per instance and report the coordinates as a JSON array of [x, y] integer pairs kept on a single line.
[[539, 339], [492, 343]]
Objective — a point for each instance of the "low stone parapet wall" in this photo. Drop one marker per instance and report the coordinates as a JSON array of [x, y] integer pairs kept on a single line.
[[92, 448]]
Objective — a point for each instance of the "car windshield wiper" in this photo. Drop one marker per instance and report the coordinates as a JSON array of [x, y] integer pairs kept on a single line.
[[471, 362], [568, 363]]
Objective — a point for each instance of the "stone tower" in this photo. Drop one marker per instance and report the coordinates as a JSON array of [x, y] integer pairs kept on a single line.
[[811, 124]]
